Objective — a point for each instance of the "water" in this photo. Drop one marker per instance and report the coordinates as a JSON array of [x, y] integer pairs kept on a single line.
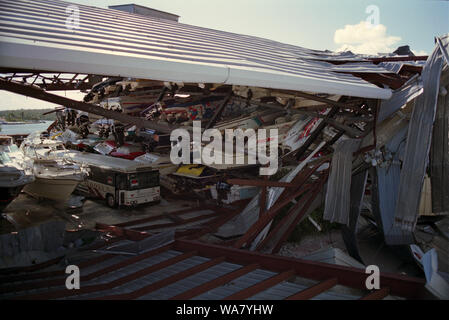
[[24, 128]]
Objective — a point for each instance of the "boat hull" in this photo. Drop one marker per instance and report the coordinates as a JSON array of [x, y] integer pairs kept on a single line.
[[54, 189]]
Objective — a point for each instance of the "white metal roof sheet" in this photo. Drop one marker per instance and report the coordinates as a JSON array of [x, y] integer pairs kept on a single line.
[[108, 162], [33, 35]]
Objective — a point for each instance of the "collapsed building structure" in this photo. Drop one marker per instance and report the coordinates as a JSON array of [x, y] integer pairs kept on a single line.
[[357, 134]]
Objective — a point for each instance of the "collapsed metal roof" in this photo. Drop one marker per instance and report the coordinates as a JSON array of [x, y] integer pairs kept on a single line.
[[33, 35], [183, 269]]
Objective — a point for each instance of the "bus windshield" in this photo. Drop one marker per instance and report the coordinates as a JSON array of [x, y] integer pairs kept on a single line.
[[143, 180]]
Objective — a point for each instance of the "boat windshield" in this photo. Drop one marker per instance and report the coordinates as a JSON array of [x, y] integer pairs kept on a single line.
[[4, 158], [9, 148]]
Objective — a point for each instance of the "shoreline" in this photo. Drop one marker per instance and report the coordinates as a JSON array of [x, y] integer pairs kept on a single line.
[[21, 122]]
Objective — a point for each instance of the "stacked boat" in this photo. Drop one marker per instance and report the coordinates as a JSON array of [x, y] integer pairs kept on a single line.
[[55, 178], [12, 177]]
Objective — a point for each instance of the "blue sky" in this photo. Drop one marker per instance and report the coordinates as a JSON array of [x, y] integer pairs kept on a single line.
[[309, 23]]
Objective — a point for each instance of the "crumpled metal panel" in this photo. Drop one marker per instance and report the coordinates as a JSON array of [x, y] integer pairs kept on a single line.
[[397, 66], [363, 67], [139, 247], [337, 203], [400, 98], [418, 144], [391, 66], [385, 189], [439, 156], [349, 232], [443, 43], [250, 214]]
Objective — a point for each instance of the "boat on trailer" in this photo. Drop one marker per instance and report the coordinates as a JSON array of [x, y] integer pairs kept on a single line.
[[55, 178]]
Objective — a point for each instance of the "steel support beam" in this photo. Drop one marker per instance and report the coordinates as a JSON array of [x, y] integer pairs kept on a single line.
[[399, 285], [36, 93]]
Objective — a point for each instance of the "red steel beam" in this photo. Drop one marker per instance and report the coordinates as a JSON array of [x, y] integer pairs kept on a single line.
[[392, 59], [410, 68], [262, 286], [215, 282], [284, 220], [304, 175], [165, 282], [392, 82], [314, 290], [377, 294], [399, 285], [300, 215], [40, 94], [266, 218], [275, 231]]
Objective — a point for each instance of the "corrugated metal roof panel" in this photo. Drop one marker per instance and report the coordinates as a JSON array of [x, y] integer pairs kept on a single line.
[[33, 35], [279, 292], [337, 203], [443, 43], [400, 98], [362, 67], [237, 285], [417, 149], [191, 282], [146, 279], [388, 178], [134, 267]]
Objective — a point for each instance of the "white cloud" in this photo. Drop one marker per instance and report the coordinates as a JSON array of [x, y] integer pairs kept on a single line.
[[365, 38]]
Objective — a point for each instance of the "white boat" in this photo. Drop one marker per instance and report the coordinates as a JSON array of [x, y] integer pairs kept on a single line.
[[8, 146], [12, 180], [159, 162], [43, 148], [55, 178], [131, 104]]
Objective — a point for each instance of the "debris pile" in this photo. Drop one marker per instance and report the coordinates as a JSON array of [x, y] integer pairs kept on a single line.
[[262, 135]]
